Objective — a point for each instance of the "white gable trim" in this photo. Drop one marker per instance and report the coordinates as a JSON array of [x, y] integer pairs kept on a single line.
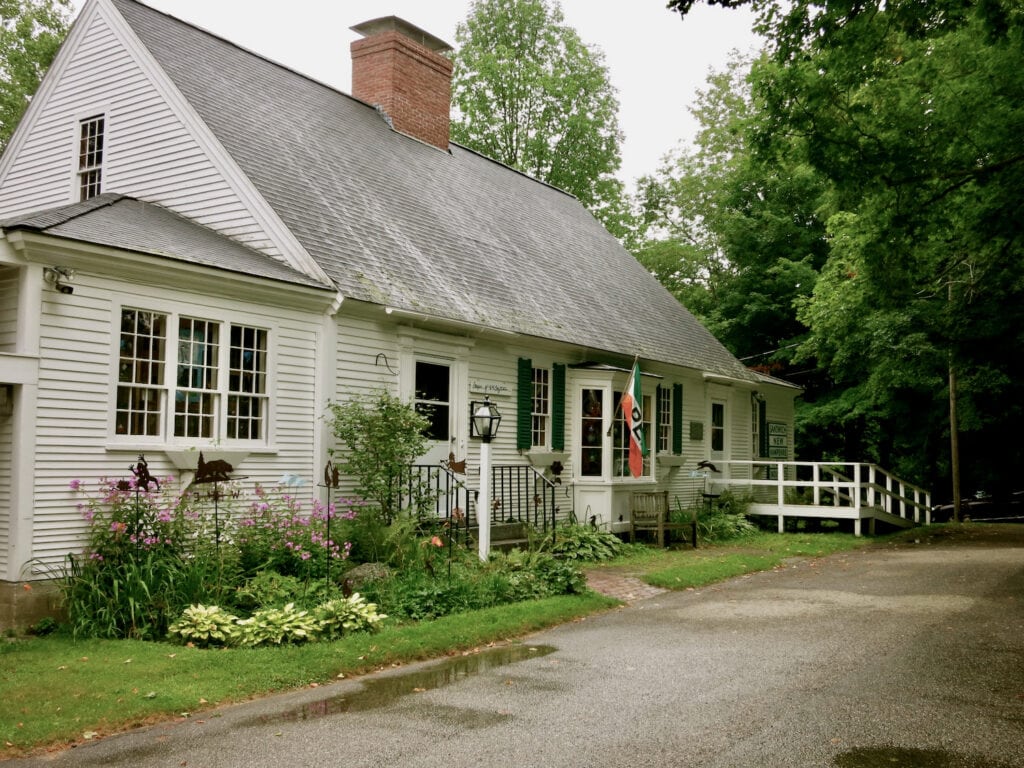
[[292, 250], [46, 87]]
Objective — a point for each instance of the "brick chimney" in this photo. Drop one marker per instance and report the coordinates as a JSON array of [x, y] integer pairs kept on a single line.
[[400, 68]]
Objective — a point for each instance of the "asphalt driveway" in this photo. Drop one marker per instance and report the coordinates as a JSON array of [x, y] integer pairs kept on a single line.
[[890, 656]]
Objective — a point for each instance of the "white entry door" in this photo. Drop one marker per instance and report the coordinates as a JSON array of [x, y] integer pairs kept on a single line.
[[434, 397]]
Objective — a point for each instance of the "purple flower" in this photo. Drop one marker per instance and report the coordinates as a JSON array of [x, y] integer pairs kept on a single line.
[[75, 485]]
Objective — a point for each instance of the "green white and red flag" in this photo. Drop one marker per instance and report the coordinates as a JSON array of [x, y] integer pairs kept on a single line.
[[632, 409]]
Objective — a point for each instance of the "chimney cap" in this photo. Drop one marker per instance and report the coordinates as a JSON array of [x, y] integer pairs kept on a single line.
[[396, 24]]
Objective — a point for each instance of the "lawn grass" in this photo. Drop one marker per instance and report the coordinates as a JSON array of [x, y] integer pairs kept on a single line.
[[688, 568], [57, 691]]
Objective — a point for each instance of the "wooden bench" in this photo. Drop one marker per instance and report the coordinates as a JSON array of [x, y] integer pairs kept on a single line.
[[649, 512]]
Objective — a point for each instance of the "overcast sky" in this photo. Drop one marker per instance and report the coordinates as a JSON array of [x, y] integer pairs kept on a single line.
[[656, 61]]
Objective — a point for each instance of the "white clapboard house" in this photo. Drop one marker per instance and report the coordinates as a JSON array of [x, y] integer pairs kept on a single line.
[[202, 248]]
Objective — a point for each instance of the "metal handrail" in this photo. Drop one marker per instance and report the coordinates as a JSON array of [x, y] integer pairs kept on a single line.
[[446, 497], [523, 495]]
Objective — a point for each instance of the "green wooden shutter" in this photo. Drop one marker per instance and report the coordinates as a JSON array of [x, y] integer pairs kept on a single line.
[[762, 428], [677, 419], [558, 407], [657, 419], [524, 405]]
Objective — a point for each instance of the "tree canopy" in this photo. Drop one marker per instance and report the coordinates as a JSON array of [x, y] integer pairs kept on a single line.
[[896, 131], [529, 93], [31, 31]]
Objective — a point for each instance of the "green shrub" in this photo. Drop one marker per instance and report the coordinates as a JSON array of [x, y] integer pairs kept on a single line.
[[382, 436], [276, 626], [206, 625], [45, 626], [584, 543], [345, 615], [268, 589], [535, 575], [726, 520]]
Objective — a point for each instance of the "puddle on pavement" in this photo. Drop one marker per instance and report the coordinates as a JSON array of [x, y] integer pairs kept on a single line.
[[379, 692], [894, 757]]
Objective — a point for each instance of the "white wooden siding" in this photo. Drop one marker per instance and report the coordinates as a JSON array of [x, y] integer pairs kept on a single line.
[[78, 340], [149, 151]]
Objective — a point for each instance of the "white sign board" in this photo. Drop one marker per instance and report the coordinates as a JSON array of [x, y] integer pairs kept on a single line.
[[778, 440]]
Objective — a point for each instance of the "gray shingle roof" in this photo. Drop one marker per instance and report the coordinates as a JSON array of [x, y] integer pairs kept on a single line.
[[123, 222], [397, 222]]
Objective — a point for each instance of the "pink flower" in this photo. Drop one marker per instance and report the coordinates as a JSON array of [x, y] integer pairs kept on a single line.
[[75, 485], [436, 541]]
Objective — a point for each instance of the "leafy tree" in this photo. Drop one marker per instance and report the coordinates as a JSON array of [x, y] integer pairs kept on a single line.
[[736, 235], [913, 114], [380, 436], [529, 93], [31, 31]]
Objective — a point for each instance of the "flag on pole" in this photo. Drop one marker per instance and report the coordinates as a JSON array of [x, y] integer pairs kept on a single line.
[[632, 409]]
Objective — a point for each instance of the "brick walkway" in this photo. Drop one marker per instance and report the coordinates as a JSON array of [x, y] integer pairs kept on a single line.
[[620, 585]]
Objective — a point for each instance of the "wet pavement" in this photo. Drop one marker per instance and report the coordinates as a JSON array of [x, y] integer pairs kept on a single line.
[[908, 656]]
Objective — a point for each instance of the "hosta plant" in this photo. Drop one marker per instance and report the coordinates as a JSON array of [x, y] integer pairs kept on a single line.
[[276, 626], [347, 614], [205, 625]]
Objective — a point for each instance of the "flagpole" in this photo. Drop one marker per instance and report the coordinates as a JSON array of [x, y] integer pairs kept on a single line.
[[618, 405]]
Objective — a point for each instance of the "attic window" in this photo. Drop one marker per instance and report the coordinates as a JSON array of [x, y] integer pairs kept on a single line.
[[90, 157]]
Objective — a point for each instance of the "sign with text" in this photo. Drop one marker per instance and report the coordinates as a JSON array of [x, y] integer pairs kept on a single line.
[[778, 440], [479, 387]]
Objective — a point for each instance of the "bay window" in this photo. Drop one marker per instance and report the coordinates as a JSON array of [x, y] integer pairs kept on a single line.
[[620, 441]]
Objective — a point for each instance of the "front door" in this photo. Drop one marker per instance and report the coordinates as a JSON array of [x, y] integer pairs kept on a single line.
[[433, 398]]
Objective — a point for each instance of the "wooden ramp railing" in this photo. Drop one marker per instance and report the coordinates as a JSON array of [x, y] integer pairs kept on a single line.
[[828, 490]]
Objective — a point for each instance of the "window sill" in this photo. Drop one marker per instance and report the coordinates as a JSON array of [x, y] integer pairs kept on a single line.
[[187, 459], [546, 458]]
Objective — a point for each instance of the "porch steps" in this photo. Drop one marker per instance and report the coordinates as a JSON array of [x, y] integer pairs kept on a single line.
[[505, 536]]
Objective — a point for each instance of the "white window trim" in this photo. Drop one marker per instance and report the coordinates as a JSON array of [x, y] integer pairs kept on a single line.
[[608, 384], [546, 416], [173, 312], [103, 110]]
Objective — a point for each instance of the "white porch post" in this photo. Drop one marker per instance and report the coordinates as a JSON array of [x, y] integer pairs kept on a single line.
[[483, 504]]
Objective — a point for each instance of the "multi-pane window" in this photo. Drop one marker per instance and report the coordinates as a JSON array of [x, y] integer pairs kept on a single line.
[[195, 397], [211, 396], [717, 428], [620, 434], [90, 157], [541, 411], [140, 373], [247, 383], [591, 432], [664, 420]]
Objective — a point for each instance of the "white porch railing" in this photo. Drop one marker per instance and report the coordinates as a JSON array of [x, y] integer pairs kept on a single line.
[[833, 490]]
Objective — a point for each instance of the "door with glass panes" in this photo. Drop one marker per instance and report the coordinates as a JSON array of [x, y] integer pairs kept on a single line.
[[433, 398]]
